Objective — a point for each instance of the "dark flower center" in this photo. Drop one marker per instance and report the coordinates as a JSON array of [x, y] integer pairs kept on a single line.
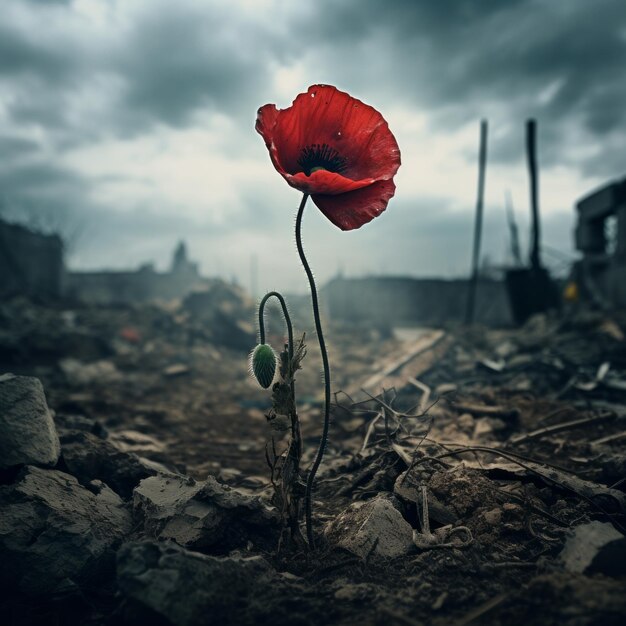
[[321, 157]]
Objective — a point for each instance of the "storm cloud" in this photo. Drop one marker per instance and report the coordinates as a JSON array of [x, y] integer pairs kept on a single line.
[[131, 122], [561, 62]]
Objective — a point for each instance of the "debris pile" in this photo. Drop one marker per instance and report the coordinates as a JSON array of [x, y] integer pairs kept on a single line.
[[506, 452], [473, 476]]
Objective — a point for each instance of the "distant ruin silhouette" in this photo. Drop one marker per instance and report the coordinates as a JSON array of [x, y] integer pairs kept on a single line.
[[33, 264]]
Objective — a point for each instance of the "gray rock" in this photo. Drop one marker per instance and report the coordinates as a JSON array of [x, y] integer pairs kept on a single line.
[[373, 528], [53, 530], [138, 443], [66, 422], [202, 515], [188, 588], [27, 432], [594, 546], [88, 457]]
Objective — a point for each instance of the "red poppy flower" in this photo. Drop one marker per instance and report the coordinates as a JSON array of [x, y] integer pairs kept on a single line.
[[335, 148]]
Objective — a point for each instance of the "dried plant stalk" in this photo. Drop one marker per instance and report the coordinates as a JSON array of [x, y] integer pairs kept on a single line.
[[286, 477]]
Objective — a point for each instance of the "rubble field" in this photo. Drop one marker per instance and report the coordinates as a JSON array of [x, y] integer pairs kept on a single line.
[[472, 476]]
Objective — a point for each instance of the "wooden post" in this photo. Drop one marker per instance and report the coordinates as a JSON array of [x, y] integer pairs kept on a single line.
[[478, 224], [531, 152]]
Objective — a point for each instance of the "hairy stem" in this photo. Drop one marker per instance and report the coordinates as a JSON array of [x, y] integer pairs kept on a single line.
[[283, 305], [320, 337], [285, 492]]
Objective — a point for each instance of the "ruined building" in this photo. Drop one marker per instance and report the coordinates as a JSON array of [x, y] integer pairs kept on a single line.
[[141, 285], [601, 237], [30, 263]]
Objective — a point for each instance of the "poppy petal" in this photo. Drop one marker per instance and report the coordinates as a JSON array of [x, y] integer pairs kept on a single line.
[[265, 124], [335, 148], [325, 182], [325, 115], [353, 209]]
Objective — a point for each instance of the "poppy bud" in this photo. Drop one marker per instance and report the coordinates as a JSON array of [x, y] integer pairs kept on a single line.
[[263, 364]]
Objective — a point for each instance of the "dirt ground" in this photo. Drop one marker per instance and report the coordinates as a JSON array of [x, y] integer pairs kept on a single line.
[[505, 452]]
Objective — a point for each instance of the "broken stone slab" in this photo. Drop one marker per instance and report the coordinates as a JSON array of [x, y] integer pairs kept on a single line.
[[139, 443], [27, 432], [187, 588], [373, 528], [202, 515], [68, 422], [54, 530], [595, 547], [88, 457]]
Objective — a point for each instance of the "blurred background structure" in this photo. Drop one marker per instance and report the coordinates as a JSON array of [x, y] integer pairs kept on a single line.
[[126, 126]]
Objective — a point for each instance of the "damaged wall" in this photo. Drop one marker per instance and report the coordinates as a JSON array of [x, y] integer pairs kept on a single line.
[[410, 301], [30, 263], [601, 273], [142, 285]]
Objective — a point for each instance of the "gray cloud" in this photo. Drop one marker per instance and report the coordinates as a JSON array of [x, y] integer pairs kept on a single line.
[[437, 239], [15, 147], [21, 54], [176, 62], [561, 62], [61, 201], [173, 60]]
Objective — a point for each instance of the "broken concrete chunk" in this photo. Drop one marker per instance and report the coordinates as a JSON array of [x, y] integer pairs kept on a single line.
[[373, 528], [585, 548], [89, 457], [27, 432], [187, 588], [139, 443], [65, 422], [53, 530], [201, 515]]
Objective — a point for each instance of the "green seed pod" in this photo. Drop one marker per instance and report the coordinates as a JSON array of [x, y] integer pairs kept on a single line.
[[263, 364]]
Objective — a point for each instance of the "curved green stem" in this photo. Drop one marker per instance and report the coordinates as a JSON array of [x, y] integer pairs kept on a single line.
[[283, 305], [320, 337]]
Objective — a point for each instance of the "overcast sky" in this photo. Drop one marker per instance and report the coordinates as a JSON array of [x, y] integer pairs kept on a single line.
[[129, 124]]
